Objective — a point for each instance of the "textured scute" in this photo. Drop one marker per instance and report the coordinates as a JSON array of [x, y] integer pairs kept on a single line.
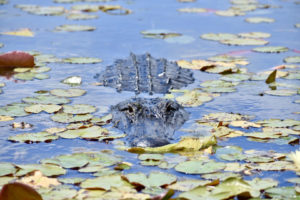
[[143, 73], [148, 122]]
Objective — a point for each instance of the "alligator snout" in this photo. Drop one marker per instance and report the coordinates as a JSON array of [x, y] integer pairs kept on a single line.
[[148, 122]]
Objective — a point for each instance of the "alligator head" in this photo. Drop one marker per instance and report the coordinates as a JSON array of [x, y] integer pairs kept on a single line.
[[148, 122]]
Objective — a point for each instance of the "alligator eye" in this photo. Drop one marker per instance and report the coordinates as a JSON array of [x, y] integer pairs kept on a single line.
[[170, 108], [130, 109]]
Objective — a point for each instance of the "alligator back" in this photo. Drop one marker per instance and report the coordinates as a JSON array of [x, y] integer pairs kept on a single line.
[[143, 73]]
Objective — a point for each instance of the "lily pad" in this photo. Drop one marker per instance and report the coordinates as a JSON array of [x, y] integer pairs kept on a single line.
[[41, 10], [74, 28], [278, 123], [192, 10], [255, 35], [194, 98], [79, 109], [230, 13], [28, 76], [46, 169], [7, 169], [82, 60], [199, 167], [69, 118], [46, 99], [259, 20], [282, 193], [72, 80], [282, 92], [81, 16], [236, 77], [159, 34], [244, 41], [292, 59], [14, 110], [218, 36], [33, 137], [5, 118], [85, 8], [72, 92], [220, 176], [105, 182], [271, 49], [186, 185], [93, 132], [37, 108]]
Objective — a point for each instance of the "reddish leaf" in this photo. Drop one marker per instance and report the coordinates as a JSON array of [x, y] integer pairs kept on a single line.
[[18, 191], [16, 59]]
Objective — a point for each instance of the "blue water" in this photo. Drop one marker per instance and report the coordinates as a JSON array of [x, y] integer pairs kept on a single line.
[[117, 36]]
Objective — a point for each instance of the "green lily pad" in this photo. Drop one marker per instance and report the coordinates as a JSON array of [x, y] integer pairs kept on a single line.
[[297, 25], [194, 98], [74, 181], [14, 110], [282, 193], [46, 99], [33, 137], [28, 76], [293, 75], [105, 182], [72, 80], [61, 192], [46, 58], [74, 28], [7, 169], [186, 185], [37, 108], [86, 7], [244, 41], [79, 109], [82, 60], [159, 34], [218, 83], [40, 69], [279, 123], [72, 160], [221, 176], [146, 156], [225, 117], [93, 168], [227, 58], [154, 179], [235, 77], [81, 16], [72, 92], [46, 169], [218, 36], [230, 13], [41, 10], [271, 49], [292, 59], [282, 92], [199, 167], [93, 132], [219, 89], [255, 35], [230, 153], [69, 118], [256, 20], [192, 10]]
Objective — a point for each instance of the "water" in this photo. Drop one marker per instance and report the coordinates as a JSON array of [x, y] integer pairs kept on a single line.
[[117, 36]]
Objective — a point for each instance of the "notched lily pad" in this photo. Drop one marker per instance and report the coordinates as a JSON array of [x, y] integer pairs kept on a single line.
[[70, 118], [82, 60], [74, 28], [33, 137], [73, 92], [194, 98], [37, 108], [244, 41], [46, 99], [271, 49], [14, 110], [79, 109], [93, 132], [282, 92], [199, 167]]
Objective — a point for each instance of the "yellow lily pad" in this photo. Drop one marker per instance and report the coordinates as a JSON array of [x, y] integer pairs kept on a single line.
[[25, 32]]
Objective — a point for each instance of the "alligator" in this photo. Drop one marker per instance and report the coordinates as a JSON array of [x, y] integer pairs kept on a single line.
[[148, 122], [143, 73]]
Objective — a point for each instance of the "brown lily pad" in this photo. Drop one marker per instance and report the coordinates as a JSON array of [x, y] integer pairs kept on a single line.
[[16, 59]]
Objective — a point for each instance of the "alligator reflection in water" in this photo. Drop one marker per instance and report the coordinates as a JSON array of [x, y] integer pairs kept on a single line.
[[147, 122]]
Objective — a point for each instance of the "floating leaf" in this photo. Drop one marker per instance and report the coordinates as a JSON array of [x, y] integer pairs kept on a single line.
[[39, 180], [292, 59], [159, 34], [46, 99], [61, 192], [259, 20], [279, 123], [81, 16], [72, 92], [188, 184], [27, 76], [33, 137], [229, 13], [192, 10], [154, 179], [218, 36], [37, 108], [199, 167], [82, 60], [46, 169], [25, 32], [7, 169], [225, 117], [74, 181], [114, 10], [221, 176], [93, 132], [85, 8], [74, 28], [187, 144], [255, 35], [282, 193], [281, 92], [41, 10], [5, 118], [69, 118], [244, 41], [194, 98], [105, 182], [271, 49], [72, 80], [79, 109], [14, 110], [244, 124], [236, 77]]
